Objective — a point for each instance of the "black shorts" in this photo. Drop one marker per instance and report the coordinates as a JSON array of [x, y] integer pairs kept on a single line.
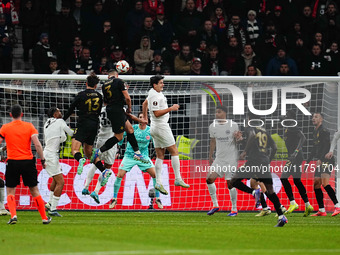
[[24, 168], [293, 168], [86, 132], [117, 117], [258, 171], [326, 167]]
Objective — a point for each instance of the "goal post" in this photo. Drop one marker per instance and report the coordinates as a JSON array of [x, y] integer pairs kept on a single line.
[[198, 97]]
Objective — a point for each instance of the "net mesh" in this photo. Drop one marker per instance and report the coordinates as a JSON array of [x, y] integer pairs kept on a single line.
[[198, 101]]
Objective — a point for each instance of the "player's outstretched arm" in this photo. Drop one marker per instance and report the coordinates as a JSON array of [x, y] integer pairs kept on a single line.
[[145, 110], [39, 149], [127, 100], [211, 150], [336, 137], [160, 113], [72, 107], [302, 140]]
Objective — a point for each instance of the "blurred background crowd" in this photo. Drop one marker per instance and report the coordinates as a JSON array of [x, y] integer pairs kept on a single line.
[[177, 37]]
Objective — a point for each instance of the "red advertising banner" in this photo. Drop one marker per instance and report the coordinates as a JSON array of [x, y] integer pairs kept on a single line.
[[135, 187]]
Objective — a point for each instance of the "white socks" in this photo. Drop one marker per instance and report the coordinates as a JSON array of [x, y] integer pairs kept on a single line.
[[292, 202], [307, 204], [90, 175], [212, 192], [322, 210], [233, 198], [158, 167], [2, 198], [176, 165], [51, 197], [54, 203]]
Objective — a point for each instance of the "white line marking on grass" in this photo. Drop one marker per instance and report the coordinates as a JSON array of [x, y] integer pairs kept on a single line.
[[227, 251]]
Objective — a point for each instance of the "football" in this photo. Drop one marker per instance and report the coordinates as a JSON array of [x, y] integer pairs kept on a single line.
[[122, 66]]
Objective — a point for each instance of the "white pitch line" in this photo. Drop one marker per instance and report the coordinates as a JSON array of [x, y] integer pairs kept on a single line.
[[227, 251]]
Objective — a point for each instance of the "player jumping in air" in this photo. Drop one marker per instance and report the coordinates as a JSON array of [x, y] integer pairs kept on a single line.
[[161, 132], [54, 134], [223, 138], [142, 133], [324, 165]]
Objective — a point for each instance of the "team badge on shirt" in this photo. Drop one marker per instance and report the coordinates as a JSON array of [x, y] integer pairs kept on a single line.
[[155, 103], [147, 137]]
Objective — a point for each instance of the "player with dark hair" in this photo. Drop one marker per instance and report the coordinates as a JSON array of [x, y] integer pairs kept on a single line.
[[89, 104], [294, 140], [161, 132], [116, 96], [142, 133], [20, 161], [54, 134], [324, 166], [258, 144], [223, 137]]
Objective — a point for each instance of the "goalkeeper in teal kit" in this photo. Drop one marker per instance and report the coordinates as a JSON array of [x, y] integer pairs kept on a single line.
[[143, 137]]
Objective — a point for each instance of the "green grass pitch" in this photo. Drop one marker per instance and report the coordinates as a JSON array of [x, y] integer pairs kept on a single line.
[[105, 233]]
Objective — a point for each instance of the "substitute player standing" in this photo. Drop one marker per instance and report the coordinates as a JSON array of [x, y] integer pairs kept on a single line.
[[223, 135], [142, 133], [324, 166], [161, 132], [89, 104], [20, 162], [54, 133]]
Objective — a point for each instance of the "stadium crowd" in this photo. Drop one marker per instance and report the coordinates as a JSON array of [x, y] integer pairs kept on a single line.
[[182, 37]]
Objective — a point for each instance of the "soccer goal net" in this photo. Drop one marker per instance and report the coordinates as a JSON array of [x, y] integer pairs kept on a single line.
[[198, 97]]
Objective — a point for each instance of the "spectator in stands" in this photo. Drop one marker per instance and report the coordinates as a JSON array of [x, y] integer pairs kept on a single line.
[[253, 27], [84, 64], [143, 55], [166, 70], [63, 29], [188, 23], [208, 34], [196, 67], [117, 55], [308, 23], [8, 39], [93, 22], [219, 22], [171, 52], [201, 51], [318, 38], [78, 12], [156, 65], [163, 27], [316, 64], [281, 23], [41, 54], [235, 29], [284, 70], [76, 49], [149, 30], [214, 65], [103, 63], [30, 20], [105, 40], [151, 7], [253, 71], [299, 54], [273, 67], [183, 60], [295, 33], [247, 58], [268, 43], [332, 55], [329, 23], [209, 9], [53, 65], [231, 54], [134, 23], [61, 84]]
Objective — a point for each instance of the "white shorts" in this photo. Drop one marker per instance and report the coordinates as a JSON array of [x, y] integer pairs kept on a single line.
[[162, 136], [223, 168], [108, 156], [53, 166]]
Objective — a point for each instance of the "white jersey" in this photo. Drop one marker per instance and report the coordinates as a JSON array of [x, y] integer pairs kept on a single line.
[[335, 141], [223, 132], [105, 130], [54, 134], [157, 101]]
